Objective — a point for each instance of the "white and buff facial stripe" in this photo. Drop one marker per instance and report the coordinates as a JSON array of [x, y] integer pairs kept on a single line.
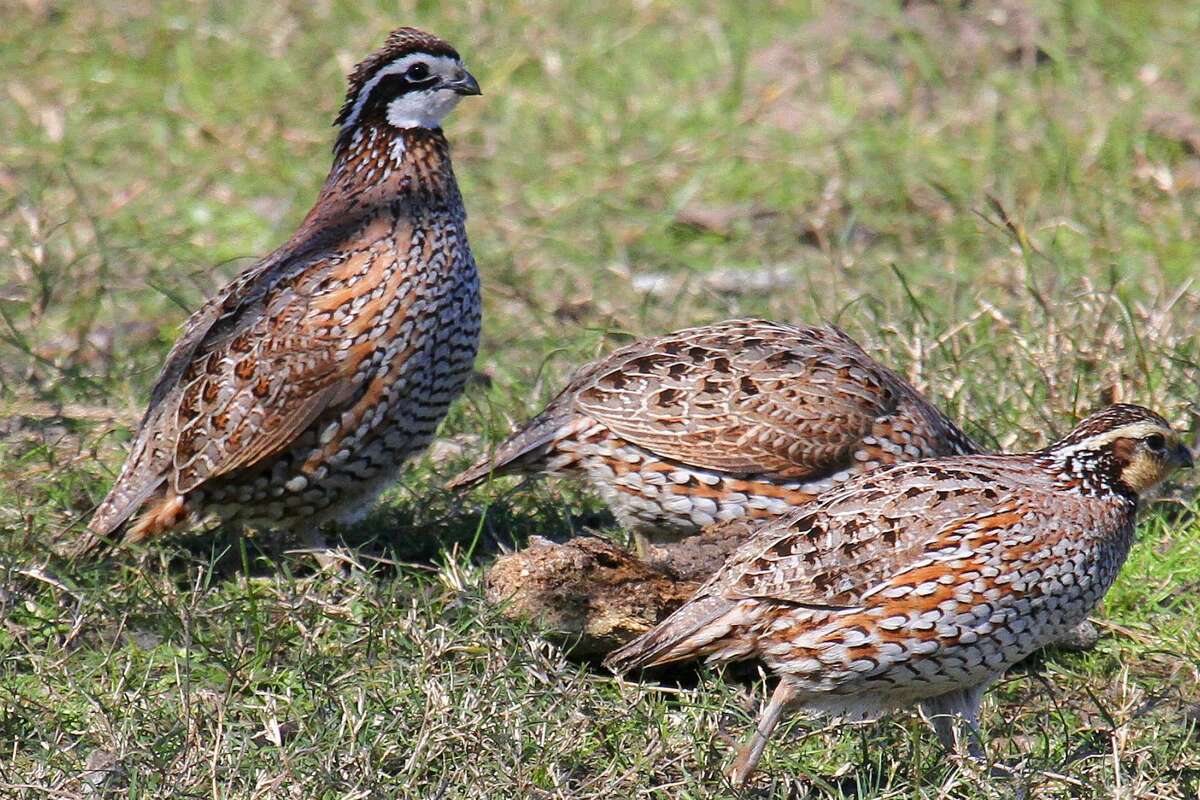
[[1134, 430], [442, 66]]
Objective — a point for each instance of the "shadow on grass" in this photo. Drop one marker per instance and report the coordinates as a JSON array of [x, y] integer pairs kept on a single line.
[[393, 537]]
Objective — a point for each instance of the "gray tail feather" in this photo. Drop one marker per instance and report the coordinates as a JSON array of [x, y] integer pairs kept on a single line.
[[476, 473], [90, 545], [520, 452], [688, 633], [104, 528], [101, 534]]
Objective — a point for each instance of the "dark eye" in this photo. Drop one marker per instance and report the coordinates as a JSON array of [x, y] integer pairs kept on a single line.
[[1156, 441], [417, 72]]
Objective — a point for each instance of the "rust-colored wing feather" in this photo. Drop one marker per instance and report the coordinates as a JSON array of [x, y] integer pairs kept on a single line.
[[745, 396], [866, 536], [245, 399], [246, 375], [835, 554]]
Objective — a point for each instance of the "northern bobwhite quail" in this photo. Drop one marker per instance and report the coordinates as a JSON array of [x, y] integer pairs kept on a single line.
[[293, 396], [744, 418], [920, 583]]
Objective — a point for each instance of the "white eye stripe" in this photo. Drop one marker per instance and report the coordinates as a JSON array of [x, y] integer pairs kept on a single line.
[[1135, 430], [438, 65]]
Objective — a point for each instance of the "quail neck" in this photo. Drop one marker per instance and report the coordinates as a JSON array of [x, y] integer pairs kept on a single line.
[[1130, 453], [381, 167], [390, 145]]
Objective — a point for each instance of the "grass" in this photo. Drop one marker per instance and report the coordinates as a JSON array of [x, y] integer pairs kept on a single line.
[[1000, 200]]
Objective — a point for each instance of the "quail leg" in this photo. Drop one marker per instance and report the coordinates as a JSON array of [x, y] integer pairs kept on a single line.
[[642, 545], [334, 560], [945, 712], [752, 751], [942, 723]]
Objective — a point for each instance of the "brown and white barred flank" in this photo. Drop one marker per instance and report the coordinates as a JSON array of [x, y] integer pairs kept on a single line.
[[920, 583]]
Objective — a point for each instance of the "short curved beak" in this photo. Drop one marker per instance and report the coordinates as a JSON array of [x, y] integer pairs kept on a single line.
[[464, 84], [1183, 456]]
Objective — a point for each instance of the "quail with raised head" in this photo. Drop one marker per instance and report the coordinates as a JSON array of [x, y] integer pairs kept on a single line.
[[294, 395], [920, 583]]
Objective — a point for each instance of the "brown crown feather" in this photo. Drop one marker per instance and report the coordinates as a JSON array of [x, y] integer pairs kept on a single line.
[[1108, 419]]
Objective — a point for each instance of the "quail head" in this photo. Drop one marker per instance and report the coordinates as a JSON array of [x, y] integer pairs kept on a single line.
[[920, 583], [740, 419], [293, 396]]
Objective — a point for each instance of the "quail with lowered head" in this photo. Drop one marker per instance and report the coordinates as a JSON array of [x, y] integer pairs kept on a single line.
[[921, 583], [740, 419]]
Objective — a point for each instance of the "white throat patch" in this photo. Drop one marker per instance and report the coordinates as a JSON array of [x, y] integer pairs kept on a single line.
[[424, 109]]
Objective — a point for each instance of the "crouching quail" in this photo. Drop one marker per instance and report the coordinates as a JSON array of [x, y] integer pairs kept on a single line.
[[920, 583], [293, 396], [740, 419]]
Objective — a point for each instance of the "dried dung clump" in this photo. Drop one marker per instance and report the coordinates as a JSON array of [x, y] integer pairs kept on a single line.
[[594, 596]]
